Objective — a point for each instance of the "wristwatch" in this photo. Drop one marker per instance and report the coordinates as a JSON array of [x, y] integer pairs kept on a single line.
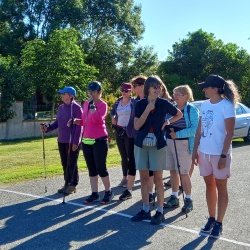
[[92, 106], [168, 122], [223, 156]]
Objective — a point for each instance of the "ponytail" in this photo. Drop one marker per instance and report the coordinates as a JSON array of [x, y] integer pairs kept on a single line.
[[230, 92]]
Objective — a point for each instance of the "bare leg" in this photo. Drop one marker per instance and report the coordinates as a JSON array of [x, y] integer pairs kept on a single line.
[[106, 183], [151, 184], [211, 194], [131, 182], [159, 187], [174, 180], [94, 183], [222, 198], [186, 182], [144, 177]]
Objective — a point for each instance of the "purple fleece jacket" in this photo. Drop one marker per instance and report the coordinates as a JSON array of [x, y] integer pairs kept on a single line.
[[63, 116]]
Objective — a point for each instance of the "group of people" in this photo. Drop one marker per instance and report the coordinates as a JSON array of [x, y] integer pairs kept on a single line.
[[154, 132]]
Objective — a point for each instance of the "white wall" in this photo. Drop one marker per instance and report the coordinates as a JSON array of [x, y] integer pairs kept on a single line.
[[18, 128]]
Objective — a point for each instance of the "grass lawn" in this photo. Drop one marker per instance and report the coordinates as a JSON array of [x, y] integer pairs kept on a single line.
[[23, 159]]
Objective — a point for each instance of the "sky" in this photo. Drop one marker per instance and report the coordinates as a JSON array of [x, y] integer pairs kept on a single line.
[[169, 21]]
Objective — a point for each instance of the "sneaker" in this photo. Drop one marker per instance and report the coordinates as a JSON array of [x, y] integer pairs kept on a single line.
[[151, 198], [70, 190], [123, 182], [209, 226], [173, 202], [188, 205], [125, 195], [157, 219], [167, 184], [61, 190], [91, 199], [142, 215], [125, 185], [108, 196], [217, 231]]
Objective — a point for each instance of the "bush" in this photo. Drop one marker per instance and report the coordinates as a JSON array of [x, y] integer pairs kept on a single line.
[[110, 100]]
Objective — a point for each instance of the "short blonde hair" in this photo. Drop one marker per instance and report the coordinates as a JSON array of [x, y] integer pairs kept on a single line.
[[185, 90]]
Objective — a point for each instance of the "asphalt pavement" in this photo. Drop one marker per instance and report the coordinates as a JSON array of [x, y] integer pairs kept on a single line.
[[33, 219]]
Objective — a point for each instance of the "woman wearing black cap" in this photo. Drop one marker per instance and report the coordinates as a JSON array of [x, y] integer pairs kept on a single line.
[[213, 137], [95, 142]]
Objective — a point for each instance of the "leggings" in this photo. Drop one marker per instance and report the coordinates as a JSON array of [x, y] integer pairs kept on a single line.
[[95, 156], [69, 163], [123, 147]]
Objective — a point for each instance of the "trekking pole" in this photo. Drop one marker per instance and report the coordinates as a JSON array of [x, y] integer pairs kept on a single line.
[[44, 165], [178, 166], [68, 158], [155, 196]]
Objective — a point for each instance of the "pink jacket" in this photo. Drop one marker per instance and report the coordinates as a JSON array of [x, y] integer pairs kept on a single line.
[[94, 124]]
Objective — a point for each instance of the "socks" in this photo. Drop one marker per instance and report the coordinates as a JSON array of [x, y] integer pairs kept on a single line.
[[159, 209], [220, 223], [175, 194], [145, 208], [188, 196]]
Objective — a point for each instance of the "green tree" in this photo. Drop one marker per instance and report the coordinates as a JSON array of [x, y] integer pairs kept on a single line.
[[199, 55], [109, 30], [59, 62], [7, 92]]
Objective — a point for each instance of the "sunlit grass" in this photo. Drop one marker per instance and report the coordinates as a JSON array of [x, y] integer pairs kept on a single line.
[[23, 159]]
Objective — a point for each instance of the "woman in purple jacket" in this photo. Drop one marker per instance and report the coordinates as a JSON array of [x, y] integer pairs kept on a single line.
[[67, 138]]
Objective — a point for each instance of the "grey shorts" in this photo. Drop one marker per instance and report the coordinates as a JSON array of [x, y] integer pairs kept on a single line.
[[185, 159], [149, 158]]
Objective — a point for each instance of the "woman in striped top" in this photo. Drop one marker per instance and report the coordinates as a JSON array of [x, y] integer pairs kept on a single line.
[[181, 133]]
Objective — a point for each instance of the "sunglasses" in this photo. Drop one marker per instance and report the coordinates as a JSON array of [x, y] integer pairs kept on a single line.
[[157, 86], [178, 95], [125, 90]]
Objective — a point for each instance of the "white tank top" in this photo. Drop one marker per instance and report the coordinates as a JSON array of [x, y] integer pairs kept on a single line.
[[123, 113]]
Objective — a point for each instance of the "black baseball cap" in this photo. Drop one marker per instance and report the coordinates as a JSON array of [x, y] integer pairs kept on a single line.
[[214, 81], [94, 86]]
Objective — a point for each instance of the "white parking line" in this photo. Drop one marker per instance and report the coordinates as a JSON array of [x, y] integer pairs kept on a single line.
[[121, 214]]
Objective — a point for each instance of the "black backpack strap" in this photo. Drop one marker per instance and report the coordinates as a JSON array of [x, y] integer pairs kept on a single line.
[[188, 111]]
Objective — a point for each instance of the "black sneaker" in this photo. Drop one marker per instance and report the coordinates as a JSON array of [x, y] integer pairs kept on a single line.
[[62, 189], [125, 195], [151, 198], [142, 215], [217, 231], [91, 199], [188, 205], [209, 226], [108, 196], [173, 202], [157, 219]]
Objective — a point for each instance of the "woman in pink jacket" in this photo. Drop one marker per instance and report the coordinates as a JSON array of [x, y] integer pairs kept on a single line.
[[95, 142]]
